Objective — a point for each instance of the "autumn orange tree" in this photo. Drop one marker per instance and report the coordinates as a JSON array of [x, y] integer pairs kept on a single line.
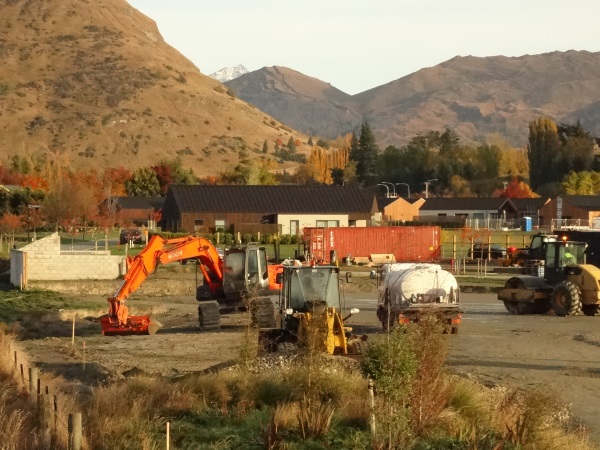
[[11, 223], [516, 189]]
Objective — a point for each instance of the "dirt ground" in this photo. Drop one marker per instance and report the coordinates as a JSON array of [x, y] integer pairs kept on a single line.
[[557, 354]]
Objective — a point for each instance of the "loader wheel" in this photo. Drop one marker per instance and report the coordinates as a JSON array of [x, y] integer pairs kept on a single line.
[[209, 317], [262, 313], [266, 342], [591, 310], [566, 299]]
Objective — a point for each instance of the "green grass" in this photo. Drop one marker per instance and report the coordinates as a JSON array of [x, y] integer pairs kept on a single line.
[[16, 304]]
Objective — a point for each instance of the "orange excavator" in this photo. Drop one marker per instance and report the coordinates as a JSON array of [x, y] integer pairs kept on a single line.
[[242, 274]]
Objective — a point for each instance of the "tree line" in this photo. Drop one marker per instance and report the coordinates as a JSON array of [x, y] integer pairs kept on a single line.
[[558, 159]]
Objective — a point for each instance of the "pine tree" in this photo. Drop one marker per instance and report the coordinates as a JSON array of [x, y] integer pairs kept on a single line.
[[265, 147], [366, 155], [291, 145]]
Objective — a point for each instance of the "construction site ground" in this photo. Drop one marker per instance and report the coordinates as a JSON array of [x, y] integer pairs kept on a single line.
[[557, 354]]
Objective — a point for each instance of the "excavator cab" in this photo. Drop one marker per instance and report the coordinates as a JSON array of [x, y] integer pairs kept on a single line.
[[245, 270]]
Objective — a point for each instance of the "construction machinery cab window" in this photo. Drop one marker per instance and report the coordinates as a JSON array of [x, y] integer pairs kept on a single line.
[[313, 286], [568, 254], [255, 265]]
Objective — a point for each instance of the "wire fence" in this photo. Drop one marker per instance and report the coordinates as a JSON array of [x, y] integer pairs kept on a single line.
[[53, 430]]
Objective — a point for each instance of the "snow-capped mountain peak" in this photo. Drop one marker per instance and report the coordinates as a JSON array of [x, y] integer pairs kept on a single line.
[[229, 73]]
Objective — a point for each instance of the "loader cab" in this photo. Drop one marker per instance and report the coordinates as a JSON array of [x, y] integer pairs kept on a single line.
[[560, 256], [305, 287], [245, 270], [537, 247]]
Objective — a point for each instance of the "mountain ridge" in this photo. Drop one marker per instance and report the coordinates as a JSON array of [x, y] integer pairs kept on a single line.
[[481, 98]]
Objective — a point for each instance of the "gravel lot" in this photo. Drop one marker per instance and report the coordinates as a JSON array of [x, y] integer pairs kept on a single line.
[[557, 353]]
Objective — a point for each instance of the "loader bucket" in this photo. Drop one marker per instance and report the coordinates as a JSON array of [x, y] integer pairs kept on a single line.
[[136, 325]]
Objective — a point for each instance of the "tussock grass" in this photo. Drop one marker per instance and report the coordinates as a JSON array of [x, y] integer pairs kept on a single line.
[[316, 401], [18, 422]]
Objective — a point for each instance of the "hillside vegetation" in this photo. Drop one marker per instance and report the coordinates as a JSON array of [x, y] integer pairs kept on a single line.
[[93, 84]]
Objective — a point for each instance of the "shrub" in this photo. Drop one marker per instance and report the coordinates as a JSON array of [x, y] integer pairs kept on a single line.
[[285, 239]]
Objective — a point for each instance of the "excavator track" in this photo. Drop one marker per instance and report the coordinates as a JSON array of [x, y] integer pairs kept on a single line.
[[209, 317], [262, 313]]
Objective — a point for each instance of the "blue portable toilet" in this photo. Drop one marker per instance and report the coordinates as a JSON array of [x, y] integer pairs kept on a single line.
[[526, 225]]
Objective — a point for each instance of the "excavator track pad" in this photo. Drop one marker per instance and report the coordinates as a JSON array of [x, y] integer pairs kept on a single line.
[[136, 325], [209, 317]]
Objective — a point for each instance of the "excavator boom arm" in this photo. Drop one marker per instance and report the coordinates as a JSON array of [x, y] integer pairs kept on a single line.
[[159, 251]]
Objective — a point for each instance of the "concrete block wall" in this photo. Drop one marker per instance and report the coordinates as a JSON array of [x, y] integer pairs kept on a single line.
[[43, 260]]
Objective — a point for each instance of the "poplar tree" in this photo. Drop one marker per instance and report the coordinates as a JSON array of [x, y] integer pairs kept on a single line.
[[544, 153]]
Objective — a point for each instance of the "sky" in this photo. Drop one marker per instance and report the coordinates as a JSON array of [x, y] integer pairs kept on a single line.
[[356, 45]]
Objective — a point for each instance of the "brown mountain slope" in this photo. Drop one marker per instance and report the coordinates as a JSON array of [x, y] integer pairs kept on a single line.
[[317, 107], [96, 83], [480, 98]]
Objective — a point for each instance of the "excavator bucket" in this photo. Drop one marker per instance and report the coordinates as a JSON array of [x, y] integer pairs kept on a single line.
[[136, 325]]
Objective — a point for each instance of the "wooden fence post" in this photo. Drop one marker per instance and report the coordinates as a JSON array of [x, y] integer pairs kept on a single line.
[[75, 431], [372, 408], [43, 416], [33, 379], [55, 418]]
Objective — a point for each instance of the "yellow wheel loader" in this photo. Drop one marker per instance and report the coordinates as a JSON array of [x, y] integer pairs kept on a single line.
[[310, 313], [568, 285]]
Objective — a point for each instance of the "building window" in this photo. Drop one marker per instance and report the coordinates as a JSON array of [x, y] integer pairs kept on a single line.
[[220, 225], [328, 223], [294, 226], [198, 224], [479, 216]]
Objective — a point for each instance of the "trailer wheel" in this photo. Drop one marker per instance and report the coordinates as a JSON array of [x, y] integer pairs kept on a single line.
[[591, 310], [566, 299], [454, 330]]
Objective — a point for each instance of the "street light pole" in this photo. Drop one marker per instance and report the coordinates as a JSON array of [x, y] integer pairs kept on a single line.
[[393, 187], [407, 188], [427, 186], [387, 189]]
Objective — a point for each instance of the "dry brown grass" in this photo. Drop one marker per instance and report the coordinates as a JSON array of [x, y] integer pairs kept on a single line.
[[304, 402]]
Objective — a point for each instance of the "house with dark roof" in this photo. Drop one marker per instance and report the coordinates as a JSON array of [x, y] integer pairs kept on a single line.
[[584, 209], [481, 212], [136, 210], [398, 209], [266, 209]]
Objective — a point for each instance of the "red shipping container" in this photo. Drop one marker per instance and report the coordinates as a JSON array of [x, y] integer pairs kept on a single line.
[[407, 244]]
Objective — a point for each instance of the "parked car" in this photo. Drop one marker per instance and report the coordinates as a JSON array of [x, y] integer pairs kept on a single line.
[[132, 234], [481, 251]]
